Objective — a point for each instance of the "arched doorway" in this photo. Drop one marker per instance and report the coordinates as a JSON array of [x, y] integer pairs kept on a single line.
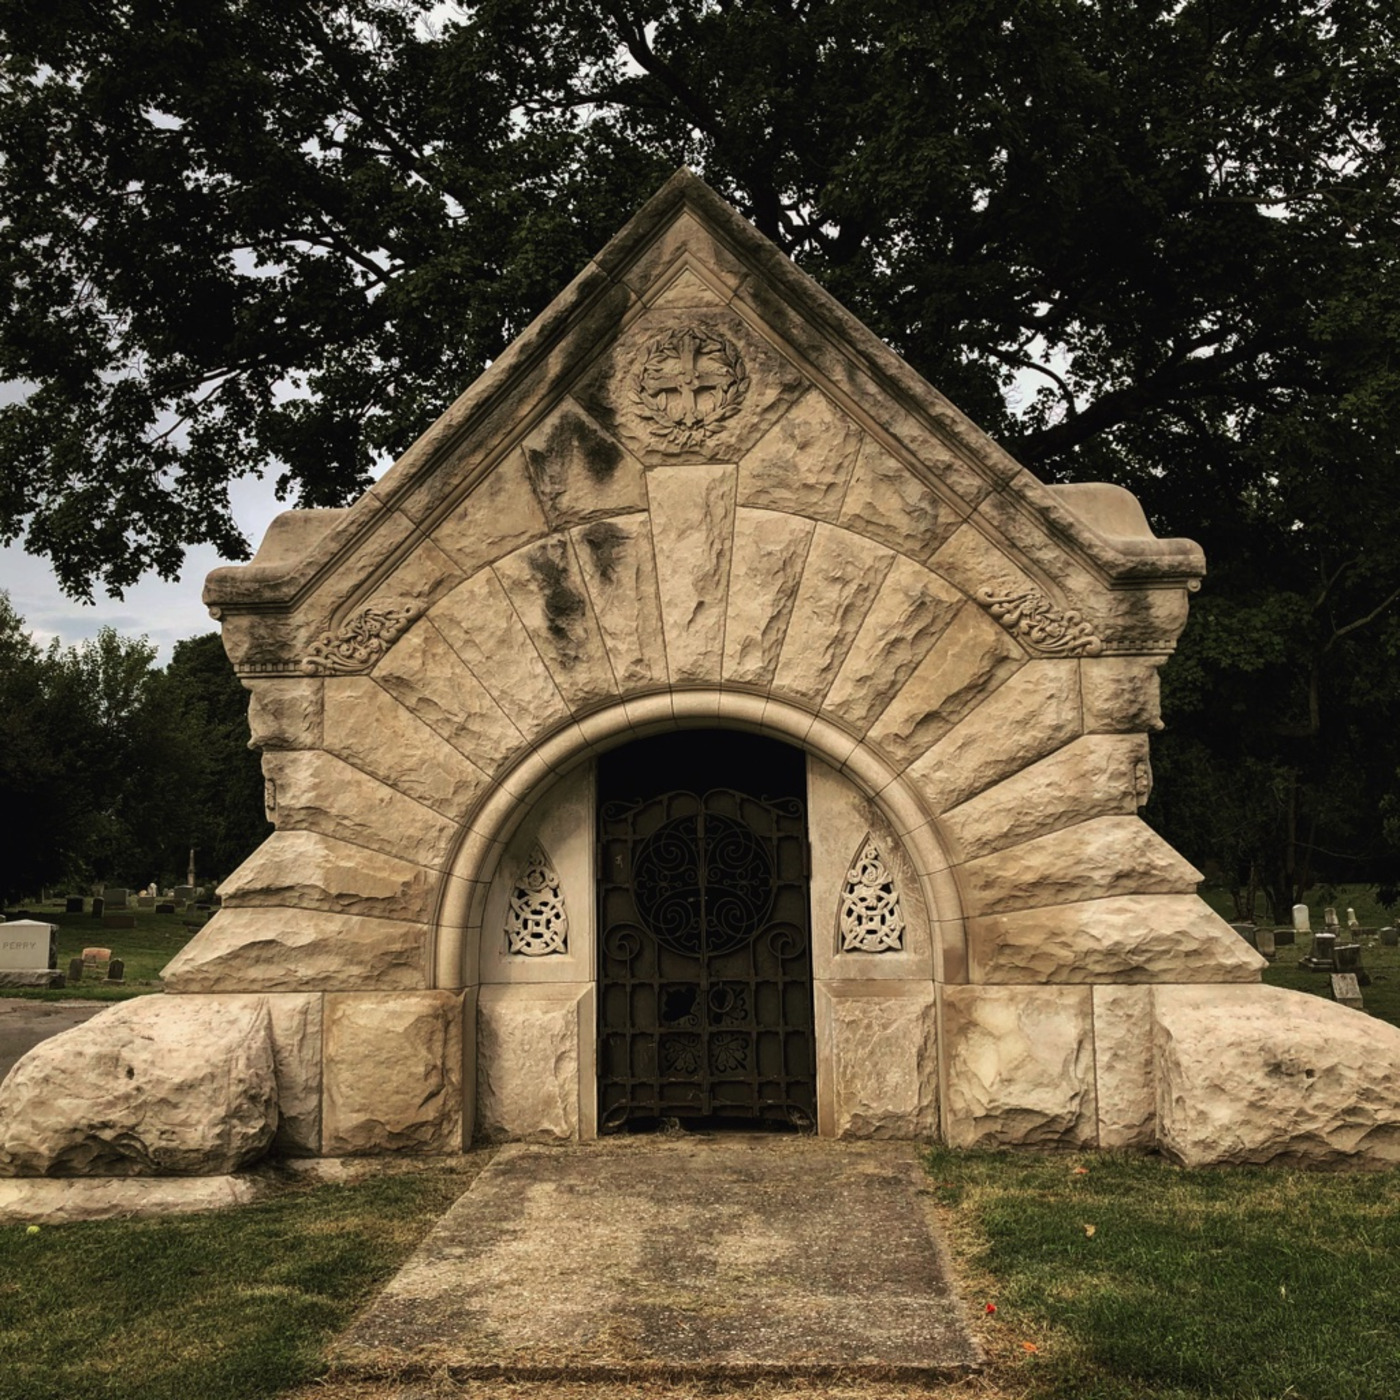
[[704, 952]]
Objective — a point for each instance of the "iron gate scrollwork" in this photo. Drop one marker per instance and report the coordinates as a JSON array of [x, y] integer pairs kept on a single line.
[[705, 964]]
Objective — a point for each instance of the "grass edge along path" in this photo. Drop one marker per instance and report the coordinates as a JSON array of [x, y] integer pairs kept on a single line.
[[229, 1305], [1112, 1277]]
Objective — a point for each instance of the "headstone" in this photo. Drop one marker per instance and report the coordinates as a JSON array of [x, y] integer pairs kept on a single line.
[[116, 898], [74, 904], [1390, 936], [1264, 942], [1353, 923], [116, 970], [184, 894], [1285, 935], [119, 921], [1300, 919], [75, 970], [1245, 931], [1329, 918], [99, 906], [96, 957], [145, 901], [28, 953], [1346, 990], [166, 908]]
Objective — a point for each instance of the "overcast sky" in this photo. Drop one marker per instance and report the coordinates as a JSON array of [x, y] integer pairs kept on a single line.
[[164, 612]]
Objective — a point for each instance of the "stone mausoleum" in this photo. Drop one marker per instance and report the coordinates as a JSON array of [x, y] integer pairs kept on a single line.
[[705, 720]]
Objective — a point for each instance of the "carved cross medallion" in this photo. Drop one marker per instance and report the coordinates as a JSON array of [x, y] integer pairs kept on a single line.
[[690, 380]]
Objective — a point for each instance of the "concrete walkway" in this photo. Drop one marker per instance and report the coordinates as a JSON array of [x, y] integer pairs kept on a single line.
[[729, 1257]]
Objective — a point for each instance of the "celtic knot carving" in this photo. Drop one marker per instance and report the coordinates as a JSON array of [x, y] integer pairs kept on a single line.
[[360, 642], [871, 919], [1033, 618], [537, 922], [686, 383]]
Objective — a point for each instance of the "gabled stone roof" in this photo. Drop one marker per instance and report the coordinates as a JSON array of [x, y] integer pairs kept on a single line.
[[562, 427]]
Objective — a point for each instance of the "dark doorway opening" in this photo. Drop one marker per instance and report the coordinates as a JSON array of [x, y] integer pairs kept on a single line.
[[704, 952]]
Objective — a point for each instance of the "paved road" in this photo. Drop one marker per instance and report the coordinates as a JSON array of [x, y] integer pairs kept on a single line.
[[23, 1024]]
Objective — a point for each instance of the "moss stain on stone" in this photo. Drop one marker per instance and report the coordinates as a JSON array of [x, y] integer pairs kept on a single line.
[[563, 604], [605, 543]]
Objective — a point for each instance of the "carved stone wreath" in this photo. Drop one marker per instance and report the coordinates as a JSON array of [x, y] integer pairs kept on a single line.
[[1033, 618], [871, 918], [360, 642], [537, 922], [688, 382]]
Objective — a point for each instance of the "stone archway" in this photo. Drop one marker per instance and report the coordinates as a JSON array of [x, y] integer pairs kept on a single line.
[[530, 1021]]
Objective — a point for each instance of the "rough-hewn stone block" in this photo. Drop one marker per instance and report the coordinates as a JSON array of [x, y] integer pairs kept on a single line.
[[804, 465], [843, 574], [692, 524], [971, 659], [529, 1053], [906, 620], [318, 792], [306, 870], [393, 1074], [770, 553], [1097, 858], [299, 950], [1125, 1091], [1094, 776], [1020, 1066], [157, 1086], [1124, 938], [1031, 715], [883, 1046]]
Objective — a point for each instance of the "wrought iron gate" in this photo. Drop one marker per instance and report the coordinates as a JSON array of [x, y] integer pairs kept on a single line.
[[705, 964]]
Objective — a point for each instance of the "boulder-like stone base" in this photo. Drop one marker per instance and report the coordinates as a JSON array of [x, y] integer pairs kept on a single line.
[[158, 1086], [1261, 1074]]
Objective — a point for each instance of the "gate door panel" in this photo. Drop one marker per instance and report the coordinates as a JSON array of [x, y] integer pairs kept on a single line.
[[705, 964]]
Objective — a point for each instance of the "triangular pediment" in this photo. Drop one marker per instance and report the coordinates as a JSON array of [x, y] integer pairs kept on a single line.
[[691, 340]]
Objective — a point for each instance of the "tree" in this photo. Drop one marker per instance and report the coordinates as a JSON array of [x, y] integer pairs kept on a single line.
[[224, 777], [114, 769], [279, 235]]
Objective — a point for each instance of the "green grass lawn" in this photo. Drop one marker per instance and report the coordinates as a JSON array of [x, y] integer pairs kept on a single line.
[[1252, 1284], [1193, 1285], [144, 949], [224, 1306]]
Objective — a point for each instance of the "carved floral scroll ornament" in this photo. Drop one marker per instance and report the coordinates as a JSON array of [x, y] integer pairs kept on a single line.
[[360, 642], [1035, 620], [687, 383], [537, 922], [871, 919]]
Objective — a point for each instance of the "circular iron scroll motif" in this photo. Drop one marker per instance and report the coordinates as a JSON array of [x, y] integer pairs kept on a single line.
[[734, 888]]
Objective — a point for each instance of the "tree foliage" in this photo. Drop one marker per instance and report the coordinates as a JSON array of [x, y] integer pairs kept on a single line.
[[114, 769], [1147, 241]]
